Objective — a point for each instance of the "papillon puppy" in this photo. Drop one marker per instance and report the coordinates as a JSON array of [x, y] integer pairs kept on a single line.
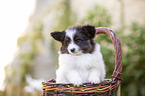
[[80, 59]]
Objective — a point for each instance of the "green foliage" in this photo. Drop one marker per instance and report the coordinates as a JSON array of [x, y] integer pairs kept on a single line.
[[64, 16], [134, 62], [37, 33], [98, 16]]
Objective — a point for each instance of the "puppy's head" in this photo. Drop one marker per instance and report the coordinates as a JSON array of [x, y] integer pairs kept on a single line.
[[76, 40]]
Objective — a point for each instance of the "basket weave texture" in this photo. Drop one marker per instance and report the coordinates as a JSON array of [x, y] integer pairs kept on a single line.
[[105, 88]]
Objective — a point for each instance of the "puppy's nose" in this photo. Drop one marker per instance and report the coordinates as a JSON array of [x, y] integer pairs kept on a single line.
[[72, 50]]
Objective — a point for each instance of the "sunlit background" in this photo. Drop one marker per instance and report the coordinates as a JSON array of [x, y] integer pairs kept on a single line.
[[14, 18], [28, 55]]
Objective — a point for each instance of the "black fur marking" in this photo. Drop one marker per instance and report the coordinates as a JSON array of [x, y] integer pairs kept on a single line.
[[57, 35], [85, 43], [88, 30], [91, 31], [64, 45]]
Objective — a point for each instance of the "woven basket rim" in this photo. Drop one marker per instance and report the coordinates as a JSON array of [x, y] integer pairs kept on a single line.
[[53, 82], [106, 85]]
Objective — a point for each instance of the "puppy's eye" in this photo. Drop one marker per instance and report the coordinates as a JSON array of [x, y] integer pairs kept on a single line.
[[78, 40]]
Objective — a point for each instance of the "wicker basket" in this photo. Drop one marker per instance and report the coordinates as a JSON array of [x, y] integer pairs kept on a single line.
[[105, 88]]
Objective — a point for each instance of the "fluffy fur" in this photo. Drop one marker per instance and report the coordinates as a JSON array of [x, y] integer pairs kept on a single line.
[[80, 59]]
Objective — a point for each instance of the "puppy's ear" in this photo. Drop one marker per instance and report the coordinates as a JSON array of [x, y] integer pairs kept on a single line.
[[57, 35], [91, 31]]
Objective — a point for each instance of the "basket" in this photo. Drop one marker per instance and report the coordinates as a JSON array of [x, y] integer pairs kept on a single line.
[[105, 88]]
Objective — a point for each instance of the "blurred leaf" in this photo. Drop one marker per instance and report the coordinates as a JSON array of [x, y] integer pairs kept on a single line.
[[98, 16]]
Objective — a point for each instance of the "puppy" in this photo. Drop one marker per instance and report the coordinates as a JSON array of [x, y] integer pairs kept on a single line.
[[80, 59]]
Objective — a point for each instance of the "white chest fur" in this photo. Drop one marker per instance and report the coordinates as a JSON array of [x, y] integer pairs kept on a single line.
[[82, 68]]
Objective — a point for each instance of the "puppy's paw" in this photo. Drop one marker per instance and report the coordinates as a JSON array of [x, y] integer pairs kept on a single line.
[[94, 80], [77, 82]]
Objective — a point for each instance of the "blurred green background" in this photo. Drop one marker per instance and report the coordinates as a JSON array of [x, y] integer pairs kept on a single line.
[[36, 58]]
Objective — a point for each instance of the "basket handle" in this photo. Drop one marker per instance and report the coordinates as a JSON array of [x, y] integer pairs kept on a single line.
[[117, 73]]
